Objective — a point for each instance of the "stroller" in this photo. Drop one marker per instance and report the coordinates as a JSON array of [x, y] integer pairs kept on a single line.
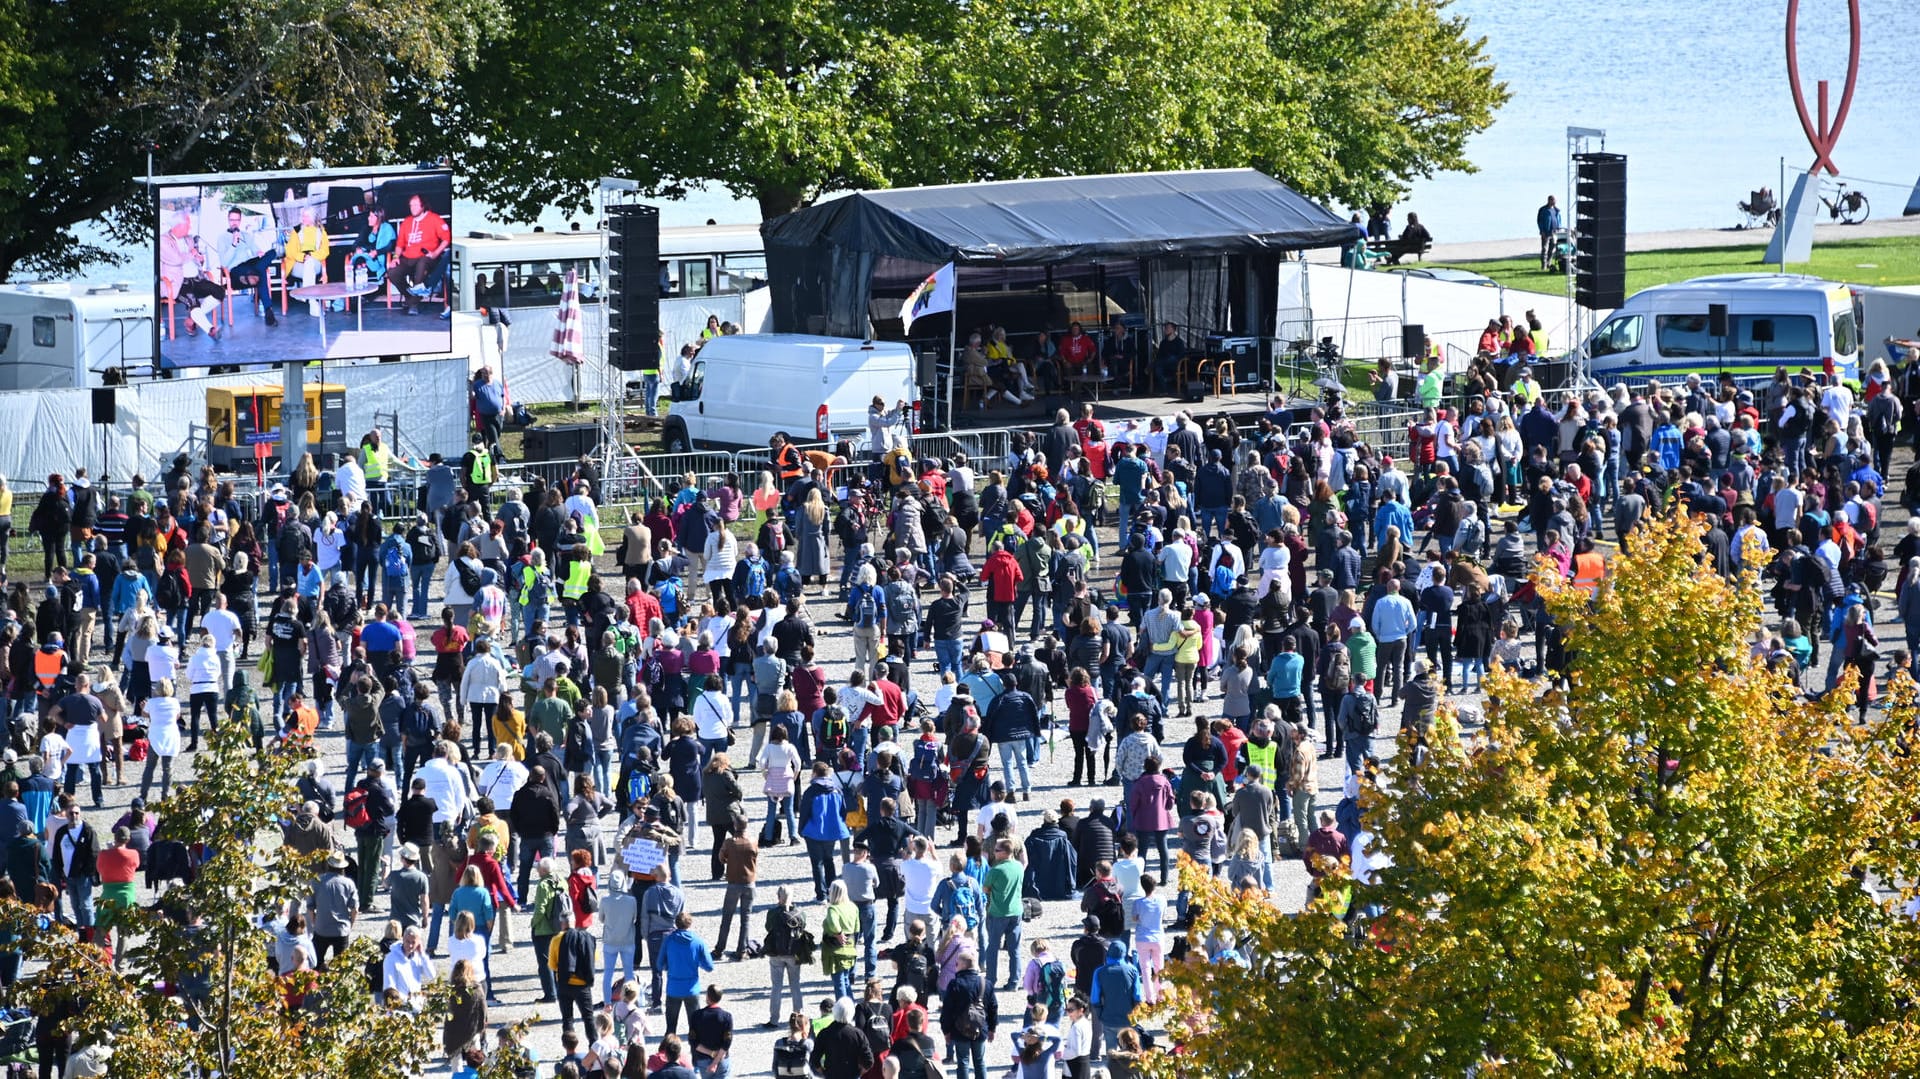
[[18, 1054], [1760, 209], [1563, 249]]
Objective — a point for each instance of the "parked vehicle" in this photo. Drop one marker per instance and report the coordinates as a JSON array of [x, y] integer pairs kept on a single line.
[[1773, 320], [744, 387]]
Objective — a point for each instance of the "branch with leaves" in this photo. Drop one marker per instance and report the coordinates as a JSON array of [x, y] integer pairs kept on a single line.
[[1543, 915]]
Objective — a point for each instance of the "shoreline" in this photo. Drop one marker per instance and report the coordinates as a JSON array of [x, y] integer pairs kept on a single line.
[[1670, 240]]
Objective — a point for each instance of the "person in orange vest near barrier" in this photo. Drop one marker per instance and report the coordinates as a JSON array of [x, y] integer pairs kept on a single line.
[[786, 457], [49, 663], [1589, 568]]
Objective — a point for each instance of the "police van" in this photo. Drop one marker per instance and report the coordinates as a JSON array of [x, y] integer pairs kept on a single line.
[[1772, 320]]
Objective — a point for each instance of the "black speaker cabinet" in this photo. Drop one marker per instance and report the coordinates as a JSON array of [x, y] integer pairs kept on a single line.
[[105, 407], [1717, 319], [559, 442], [1413, 341]]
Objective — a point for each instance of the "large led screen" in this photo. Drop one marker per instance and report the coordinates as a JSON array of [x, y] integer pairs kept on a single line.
[[305, 267]]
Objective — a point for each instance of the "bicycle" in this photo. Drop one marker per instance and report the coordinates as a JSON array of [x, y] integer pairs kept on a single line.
[[1849, 207]]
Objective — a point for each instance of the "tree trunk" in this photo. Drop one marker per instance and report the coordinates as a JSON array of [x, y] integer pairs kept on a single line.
[[776, 200]]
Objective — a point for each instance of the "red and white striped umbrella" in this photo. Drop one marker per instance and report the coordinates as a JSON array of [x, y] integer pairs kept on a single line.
[[569, 342]]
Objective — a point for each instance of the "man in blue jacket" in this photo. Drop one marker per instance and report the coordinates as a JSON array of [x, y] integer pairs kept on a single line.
[[1547, 221], [1213, 495], [1012, 724], [1116, 992], [686, 957], [823, 825]]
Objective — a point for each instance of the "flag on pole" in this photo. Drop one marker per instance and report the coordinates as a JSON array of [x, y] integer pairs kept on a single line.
[[568, 339], [934, 296]]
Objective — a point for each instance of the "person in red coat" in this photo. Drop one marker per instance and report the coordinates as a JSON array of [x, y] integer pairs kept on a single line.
[[1002, 577]]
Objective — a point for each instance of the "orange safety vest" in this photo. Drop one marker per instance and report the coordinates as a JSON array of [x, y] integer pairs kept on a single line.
[[1588, 570], [787, 462], [47, 666]]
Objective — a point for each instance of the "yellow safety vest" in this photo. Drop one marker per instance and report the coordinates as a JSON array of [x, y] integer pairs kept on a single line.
[[577, 574], [528, 575], [1539, 343], [482, 472], [373, 461], [1267, 757]]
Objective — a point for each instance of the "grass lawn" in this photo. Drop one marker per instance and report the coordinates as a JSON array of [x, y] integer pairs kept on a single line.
[[1891, 260]]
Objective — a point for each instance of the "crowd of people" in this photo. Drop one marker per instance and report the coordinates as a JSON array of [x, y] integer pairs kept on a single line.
[[1201, 613]]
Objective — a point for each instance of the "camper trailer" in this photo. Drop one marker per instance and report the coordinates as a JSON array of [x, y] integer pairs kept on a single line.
[[65, 336]]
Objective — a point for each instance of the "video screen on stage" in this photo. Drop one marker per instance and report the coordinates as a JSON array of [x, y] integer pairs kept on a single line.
[[303, 267]]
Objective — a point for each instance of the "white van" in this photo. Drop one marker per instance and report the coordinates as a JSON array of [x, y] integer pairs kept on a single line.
[[745, 387], [1773, 320]]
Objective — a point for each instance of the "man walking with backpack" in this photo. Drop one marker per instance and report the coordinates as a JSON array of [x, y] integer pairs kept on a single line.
[[420, 727], [959, 896], [867, 611], [1359, 718], [968, 1015], [789, 947]]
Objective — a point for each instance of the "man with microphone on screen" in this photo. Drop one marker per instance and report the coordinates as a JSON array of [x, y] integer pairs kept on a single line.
[[245, 254]]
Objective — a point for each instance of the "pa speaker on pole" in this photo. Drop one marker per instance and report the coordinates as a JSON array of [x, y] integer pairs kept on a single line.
[[105, 407], [1717, 320], [1413, 341]]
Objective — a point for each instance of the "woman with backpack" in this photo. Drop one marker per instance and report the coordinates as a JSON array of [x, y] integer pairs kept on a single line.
[[790, 1053]]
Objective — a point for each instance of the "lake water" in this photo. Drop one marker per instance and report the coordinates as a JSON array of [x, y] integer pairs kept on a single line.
[[1694, 93]]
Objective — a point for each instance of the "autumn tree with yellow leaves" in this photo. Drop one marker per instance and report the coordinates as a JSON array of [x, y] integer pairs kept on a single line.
[[1673, 867], [191, 991]]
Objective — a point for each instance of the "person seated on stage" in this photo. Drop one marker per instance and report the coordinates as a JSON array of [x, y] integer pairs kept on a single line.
[[1167, 356], [424, 240], [975, 359], [1116, 353], [1079, 352], [1520, 349], [1007, 373], [245, 254], [183, 278], [374, 249], [306, 258]]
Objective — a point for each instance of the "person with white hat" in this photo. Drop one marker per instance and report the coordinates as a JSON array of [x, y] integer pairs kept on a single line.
[[336, 906]]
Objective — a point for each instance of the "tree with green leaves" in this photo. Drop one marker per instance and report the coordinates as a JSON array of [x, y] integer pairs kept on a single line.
[[1673, 866], [95, 94], [223, 1009], [781, 103]]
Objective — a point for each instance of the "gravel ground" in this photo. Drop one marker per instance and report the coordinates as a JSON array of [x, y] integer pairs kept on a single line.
[[746, 983]]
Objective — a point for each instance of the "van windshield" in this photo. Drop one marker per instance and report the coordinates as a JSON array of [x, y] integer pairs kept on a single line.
[[1618, 335], [1747, 335]]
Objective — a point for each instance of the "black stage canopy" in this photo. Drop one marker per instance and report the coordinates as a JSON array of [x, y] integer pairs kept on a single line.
[[822, 259]]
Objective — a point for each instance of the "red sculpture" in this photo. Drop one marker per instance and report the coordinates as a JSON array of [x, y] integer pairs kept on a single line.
[[1821, 135]]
